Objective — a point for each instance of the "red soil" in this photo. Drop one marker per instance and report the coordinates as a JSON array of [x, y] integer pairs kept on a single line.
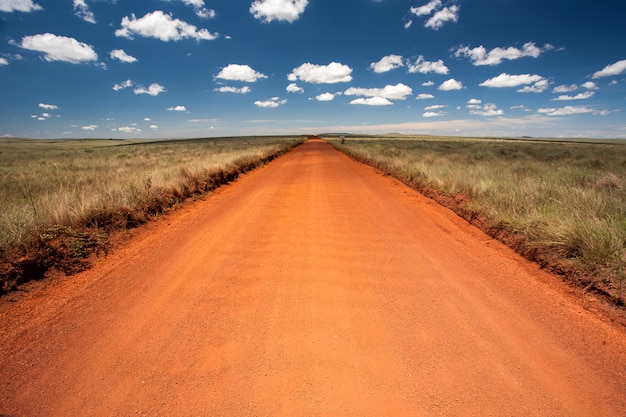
[[312, 286]]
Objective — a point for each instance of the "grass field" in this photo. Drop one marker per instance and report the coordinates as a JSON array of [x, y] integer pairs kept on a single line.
[[61, 198], [561, 203]]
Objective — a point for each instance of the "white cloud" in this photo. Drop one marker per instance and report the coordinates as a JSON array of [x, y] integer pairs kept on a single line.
[[533, 83], [161, 26], [590, 85], [18, 6], [473, 102], [450, 85], [436, 107], [129, 129], [227, 89], [236, 72], [177, 108], [372, 101], [569, 110], [565, 88], [294, 88], [271, 103], [198, 7], [123, 85], [154, 90], [488, 110], [429, 114], [154, 127], [581, 96], [426, 9], [387, 63], [325, 97], [480, 56], [614, 69], [444, 15], [424, 96], [268, 10], [425, 67], [538, 87], [428, 83], [391, 92], [322, 74], [48, 106], [3, 61], [90, 127], [59, 48], [122, 56], [82, 10]]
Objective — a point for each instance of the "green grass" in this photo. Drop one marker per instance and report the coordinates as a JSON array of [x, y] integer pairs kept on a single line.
[[61, 198], [562, 204]]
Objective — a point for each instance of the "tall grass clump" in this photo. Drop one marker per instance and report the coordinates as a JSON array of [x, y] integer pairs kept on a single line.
[[60, 199], [562, 204]]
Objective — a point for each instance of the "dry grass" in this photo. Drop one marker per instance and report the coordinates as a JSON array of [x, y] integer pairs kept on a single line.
[[61, 198], [560, 203]]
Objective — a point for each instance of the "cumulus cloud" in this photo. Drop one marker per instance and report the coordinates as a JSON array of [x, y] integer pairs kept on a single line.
[[294, 88], [271, 103], [451, 85], [447, 14], [581, 96], [326, 96], [614, 69], [436, 107], [129, 129], [590, 85], [235, 90], [429, 114], [177, 108], [161, 26], [153, 90], [424, 67], [480, 55], [372, 101], [439, 18], [198, 7], [122, 56], [565, 88], [428, 83], [3, 61], [321, 74], [570, 110], [48, 106], [123, 85], [82, 10], [59, 48], [90, 127], [387, 63], [287, 10], [533, 83], [487, 110], [426, 9], [18, 6], [237, 72], [389, 92], [424, 96]]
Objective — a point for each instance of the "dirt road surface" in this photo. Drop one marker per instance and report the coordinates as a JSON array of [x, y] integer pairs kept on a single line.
[[314, 286]]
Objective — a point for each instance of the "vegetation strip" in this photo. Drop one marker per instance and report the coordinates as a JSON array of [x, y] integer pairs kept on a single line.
[[62, 199], [561, 204]]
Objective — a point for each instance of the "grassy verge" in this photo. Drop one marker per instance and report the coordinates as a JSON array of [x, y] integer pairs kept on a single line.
[[560, 204], [61, 199]]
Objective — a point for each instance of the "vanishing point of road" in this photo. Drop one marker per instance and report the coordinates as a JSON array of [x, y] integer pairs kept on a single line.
[[314, 286]]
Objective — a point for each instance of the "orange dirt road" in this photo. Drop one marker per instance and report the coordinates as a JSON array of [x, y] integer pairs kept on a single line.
[[314, 286]]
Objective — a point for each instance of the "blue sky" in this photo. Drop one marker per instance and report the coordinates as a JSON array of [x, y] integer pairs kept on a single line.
[[194, 68]]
